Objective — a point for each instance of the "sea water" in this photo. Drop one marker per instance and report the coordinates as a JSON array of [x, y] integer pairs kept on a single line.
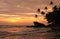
[[13, 32]]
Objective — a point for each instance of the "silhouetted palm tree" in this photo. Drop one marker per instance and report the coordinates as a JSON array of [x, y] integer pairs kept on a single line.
[[46, 9], [51, 3], [59, 8], [36, 16], [42, 13], [55, 8], [54, 16], [38, 10]]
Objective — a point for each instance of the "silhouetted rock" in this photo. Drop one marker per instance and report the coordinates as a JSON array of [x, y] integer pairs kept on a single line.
[[53, 17], [37, 24]]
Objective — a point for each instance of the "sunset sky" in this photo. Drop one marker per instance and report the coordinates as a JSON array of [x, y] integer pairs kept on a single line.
[[21, 12]]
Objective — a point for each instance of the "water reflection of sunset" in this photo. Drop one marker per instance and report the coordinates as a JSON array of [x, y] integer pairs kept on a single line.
[[15, 29]]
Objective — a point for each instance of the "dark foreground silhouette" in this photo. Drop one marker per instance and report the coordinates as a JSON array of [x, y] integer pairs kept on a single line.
[[52, 17], [37, 24]]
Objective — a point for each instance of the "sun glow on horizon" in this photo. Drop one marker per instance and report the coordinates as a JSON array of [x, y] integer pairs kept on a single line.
[[13, 20], [23, 19]]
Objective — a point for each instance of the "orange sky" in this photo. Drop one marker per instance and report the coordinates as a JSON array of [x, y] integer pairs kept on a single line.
[[21, 20], [21, 12]]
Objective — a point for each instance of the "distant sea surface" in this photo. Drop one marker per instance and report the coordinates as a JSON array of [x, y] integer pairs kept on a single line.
[[13, 32]]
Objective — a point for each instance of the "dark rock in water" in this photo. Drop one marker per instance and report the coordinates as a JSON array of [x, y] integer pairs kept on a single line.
[[37, 24]]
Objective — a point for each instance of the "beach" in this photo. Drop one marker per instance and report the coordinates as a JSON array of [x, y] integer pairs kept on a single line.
[[28, 33]]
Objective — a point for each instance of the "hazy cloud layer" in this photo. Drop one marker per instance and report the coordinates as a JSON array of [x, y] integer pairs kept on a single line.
[[24, 9], [23, 6]]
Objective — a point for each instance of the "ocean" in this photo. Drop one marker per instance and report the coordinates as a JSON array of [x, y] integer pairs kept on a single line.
[[23, 32]]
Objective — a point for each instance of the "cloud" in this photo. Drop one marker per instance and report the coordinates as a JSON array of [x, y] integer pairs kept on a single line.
[[22, 6]]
